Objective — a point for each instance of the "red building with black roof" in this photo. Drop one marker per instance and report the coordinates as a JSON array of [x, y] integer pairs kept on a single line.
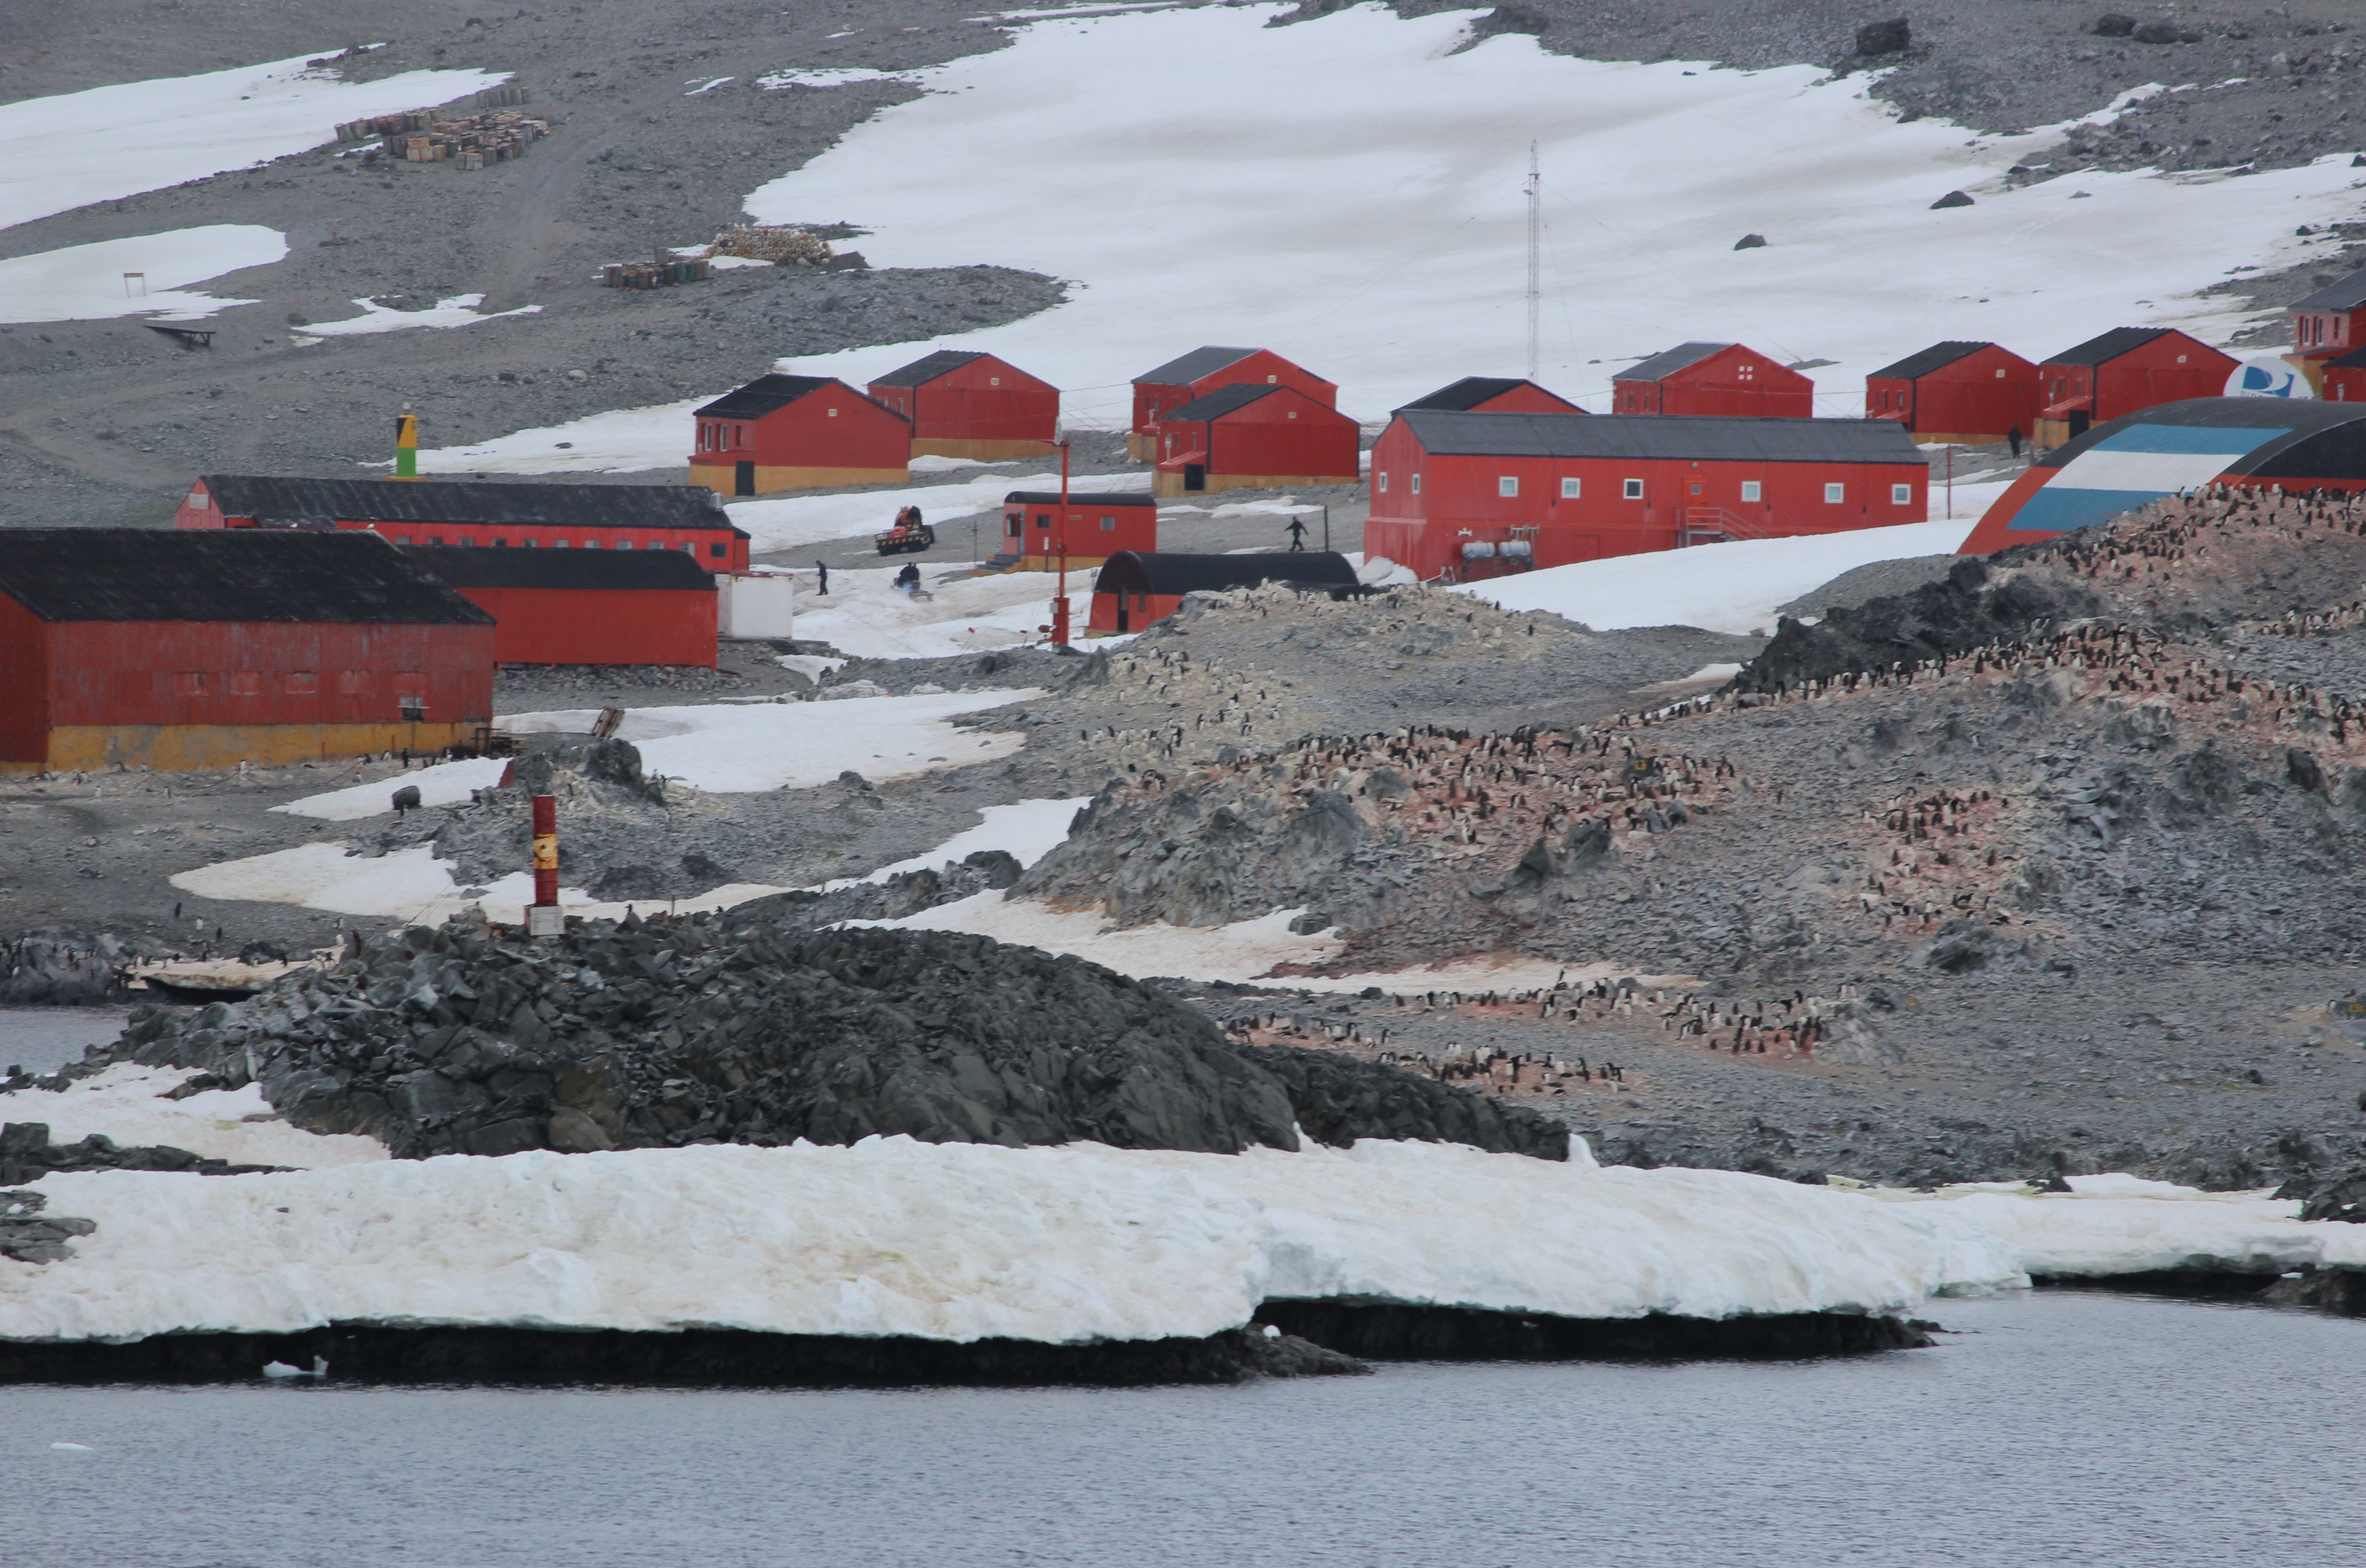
[[1098, 525], [966, 404], [1467, 495], [471, 512], [2342, 380], [1253, 437], [2328, 325], [205, 649], [1713, 378], [797, 433], [584, 606], [1195, 375], [1135, 591], [2121, 372], [1494, 394], [1959, 394]]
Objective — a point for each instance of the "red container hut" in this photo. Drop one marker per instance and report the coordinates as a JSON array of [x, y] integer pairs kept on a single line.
[[2343, 378], [797, 433], [965, 404], [1961, 394], [1713, 379], [1201, 372], [2125, 370], [585, 606], [2328, 325], [1098, 525], [1251, 437]]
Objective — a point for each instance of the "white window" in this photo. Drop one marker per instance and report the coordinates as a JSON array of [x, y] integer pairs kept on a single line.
[[833, 413], [1901, 495], [404, 540], [1381, 478], [994, 381], [624, 544], [1834, 494], [1276, 381], [557, 544], [1750, 489], [1572, 489], [1109, 524], [1507, 485], [2000, 372], [1417, 484], [1633, 489], [198, 500]]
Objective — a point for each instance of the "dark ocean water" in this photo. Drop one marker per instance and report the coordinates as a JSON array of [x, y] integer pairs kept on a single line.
[[42, 1040], [2060, 1428]]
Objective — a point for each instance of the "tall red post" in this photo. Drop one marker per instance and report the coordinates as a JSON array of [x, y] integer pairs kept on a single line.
[[543, 918], [1060, 604]]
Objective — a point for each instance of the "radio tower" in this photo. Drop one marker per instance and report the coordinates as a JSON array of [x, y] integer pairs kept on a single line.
[[1535, 255]]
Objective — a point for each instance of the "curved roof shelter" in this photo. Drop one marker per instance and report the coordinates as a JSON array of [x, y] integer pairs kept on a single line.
[[2295, 443], [1171, 576]]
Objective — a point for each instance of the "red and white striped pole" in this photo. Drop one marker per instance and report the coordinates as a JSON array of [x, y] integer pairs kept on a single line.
[[542, 917]]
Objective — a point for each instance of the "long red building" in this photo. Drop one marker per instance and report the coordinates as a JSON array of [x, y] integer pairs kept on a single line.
[[584, 606], [206, 650], [2122, 372], [1252, 437], [1466, 495], [1203, 370], [966, 404], [469, 513], [1713, 379], [1961, 394], [797, 433]]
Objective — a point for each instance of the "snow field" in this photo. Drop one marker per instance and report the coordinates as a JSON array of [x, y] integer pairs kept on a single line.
[[73, 148], [459, 310], [866, 616], [1244, 949], [1731, 587], [126, 1103], [85, 283], [1026, 831]]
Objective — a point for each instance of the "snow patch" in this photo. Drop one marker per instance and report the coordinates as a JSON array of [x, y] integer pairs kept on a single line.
[[86, 283], [867, 616], [459, 310], [126, 1103]]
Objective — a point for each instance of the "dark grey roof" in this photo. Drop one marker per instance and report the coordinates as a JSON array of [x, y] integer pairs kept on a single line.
[[1131, 572], [2342, 293], [1472, 390], [767, 393], [2336, 430], [1223, 400], [464, 568], [1669, 363], [1679, 436], [1190, 368], [2109, 347], [926, 369], [273, 500], [1081, 498], [335, 575], [2352, 360], [1938, 356]]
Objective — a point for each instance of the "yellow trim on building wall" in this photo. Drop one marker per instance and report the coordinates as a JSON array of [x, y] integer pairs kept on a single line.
[[197, 747], [981, 451], [1166, 484], [723, 481]]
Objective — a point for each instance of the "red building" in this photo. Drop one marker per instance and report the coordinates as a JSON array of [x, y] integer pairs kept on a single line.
[[1201, 372], [798, 432], [1250, 437], [964, 404], [1717, 378], [1135, 591], [2328, 325], [2343, 378], [1959, 394], [1099, 525], [471, 512], [1494, 394], [584, 606], [186, 650], [2126, 369], [1466, 495]]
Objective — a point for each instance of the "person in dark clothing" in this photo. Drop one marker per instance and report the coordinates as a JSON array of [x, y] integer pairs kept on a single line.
[[909, 578], [823, 570], [1297, 534], [2013, 435]]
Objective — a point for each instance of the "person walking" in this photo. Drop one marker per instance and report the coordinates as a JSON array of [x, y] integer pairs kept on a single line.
[[2013, 435], [821, 569], [1297, 534]]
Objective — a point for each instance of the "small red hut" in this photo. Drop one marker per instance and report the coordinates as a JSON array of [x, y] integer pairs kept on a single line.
[[585, 606], [1202, 371], [966, 404], [1961, 394], [2123, 370], [2344, 378], [1134, 591], [798, 432], [1719, 379], [1098, 524], [1494, 394], [1251, 437], [2326, 326]]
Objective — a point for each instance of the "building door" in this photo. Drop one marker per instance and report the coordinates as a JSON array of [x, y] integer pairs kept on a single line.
[[1124, 620], [743, 477], [1195, 475], [2079, 420]]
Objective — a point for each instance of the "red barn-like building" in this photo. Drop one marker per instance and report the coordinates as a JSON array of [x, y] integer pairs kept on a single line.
[[1250, 437], [965, 404], [1961, 394], [2125, 370], [1466, 495], [463, 512], [189, 650], [1099, 525], [1134, 591], [2343, 378], [1202, 371], [1715, 378], [798, 432], [1494, 394], [584, 606], [2328, 325]]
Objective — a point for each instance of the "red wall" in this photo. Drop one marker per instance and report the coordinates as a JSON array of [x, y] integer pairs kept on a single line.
[[1425, 532], [1736, 379], [255, 672], [567, 625], [1263, 367], [1992, 390], [1136, 529], [2335, 331], [719, 548], [24, 684], [1530, 399], [1282, 433], [2347, 385], [2141, 379], [965, 405], [1139, 615]]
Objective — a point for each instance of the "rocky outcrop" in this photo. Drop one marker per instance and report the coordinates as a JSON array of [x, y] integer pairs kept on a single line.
[[28, 1236], [1338, 1100], [27, 1155]]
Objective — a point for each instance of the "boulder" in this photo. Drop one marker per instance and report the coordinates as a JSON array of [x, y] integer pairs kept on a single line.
[[2113, 24], [1953, 198], [1892, 37], [1750, 242]]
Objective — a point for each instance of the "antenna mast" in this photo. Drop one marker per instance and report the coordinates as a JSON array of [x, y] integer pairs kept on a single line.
[[1535, 255]]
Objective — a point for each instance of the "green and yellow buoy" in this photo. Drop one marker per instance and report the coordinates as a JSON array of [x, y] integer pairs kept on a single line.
[[406, 445]]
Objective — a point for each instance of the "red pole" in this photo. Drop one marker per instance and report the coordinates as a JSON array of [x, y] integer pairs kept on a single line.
[[1060, 604], [545, 853]]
